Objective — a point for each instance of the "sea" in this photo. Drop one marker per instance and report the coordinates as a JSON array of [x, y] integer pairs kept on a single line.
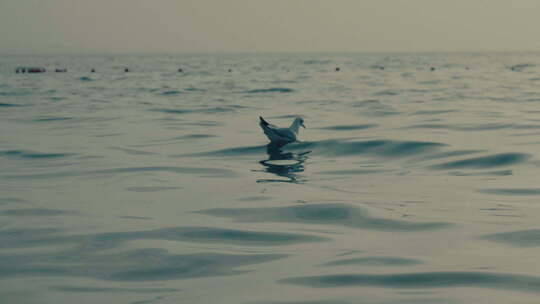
[[415, 181]]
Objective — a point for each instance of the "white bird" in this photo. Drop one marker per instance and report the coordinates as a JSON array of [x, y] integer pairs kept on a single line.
[[282, 136]]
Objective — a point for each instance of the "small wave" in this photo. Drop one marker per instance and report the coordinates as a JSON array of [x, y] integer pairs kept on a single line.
[[314, 61], [170, 93], [130, 217], [203, 123], [192, 89], [386, 93], [230, 236], [47, 119], [151, 189], [189, 111], [381, 148], [481, 127], [251, 150], [375, 261], [16, 94], [145, 264], [322, 214], [488, 173], [208, 172], [56, 98], [367, 103], [521, 67], [281, 81], [424, 280], [172, 111], [349, 127], [31, 155], [491, 161], [353, 172], [513, 191], [194, 136], [202, 172], [521, 238], [133, 151], [8, 105], [429, 82], [270, 90], [111, 290], [11, 200], [452, 154], [434, 112], [284, 116], [35, 212]]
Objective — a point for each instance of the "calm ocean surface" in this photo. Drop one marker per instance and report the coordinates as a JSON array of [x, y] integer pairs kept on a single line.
[[408, 186]]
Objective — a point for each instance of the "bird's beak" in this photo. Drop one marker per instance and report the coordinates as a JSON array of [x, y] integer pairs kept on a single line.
[[303, 125]]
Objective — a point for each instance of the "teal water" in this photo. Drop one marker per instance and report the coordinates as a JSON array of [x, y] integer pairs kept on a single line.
[[157, 186]]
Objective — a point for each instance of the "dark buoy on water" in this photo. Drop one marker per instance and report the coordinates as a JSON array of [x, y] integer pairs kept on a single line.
[[432, 69], [92, 70], [126, 70], [230, 70], [338, 69], [180, 70]]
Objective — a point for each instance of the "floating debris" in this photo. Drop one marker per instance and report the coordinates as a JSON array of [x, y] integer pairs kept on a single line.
[[30, 70]]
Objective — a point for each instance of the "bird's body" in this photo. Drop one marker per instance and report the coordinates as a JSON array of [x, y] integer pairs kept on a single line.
[[282, 136]]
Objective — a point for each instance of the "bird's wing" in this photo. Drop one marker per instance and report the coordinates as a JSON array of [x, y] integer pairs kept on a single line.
[[285, 133], [276, 134]]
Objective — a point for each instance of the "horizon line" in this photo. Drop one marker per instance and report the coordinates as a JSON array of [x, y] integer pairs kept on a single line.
[[46, 53]]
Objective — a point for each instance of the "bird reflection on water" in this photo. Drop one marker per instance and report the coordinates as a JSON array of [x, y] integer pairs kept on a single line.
[[283, 164]]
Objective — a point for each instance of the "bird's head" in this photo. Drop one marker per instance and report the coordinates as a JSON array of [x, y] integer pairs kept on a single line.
[[300, 121]]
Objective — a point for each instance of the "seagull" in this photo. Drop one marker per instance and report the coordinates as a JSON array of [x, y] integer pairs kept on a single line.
[[281, 136]]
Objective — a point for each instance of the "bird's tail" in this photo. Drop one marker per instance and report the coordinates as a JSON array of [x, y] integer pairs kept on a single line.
[[263, 122]]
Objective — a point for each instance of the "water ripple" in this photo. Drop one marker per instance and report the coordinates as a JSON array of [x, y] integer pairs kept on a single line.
[[512, 191], [491, 161], [20, 238], [8, 105], [31, 155], [139, 265], [381, 148], [210, 110], [47, 119], [424, 280], [322, 214], [375, 261], [349, 127], [170, 93], [151, 189], [81, 289], [35, 212], [204, 172], [521, 238], [270, 90]]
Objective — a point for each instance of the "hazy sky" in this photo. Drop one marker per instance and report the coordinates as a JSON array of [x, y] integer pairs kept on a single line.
[[34, 26]]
